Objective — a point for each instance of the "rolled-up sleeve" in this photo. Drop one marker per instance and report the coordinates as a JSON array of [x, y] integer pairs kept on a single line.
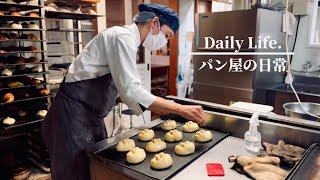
[[124, 72]]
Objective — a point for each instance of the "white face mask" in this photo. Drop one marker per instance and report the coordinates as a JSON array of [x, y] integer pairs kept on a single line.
[[155, 42]]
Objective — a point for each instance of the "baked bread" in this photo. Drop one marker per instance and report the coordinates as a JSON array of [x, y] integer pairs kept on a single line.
[[8, 121], [33, 25], [42, 113], [15, 13], [1, 13], [30, 48], [6, 72], [3, 37], [77, 11], [89, 11], [168, 125], [32, 2], [15, 84], [44, 92], [10, 2], [161, 161], [156, 145], [32, 60], [203, 136], [32, 37], [37, 69], [65, 9], [146, 135], [24, 25], [13, 36], [125, 145], [136, 155], [18, 60], [8, 98], [173, 136], [190, 127], [16, 26], [52, 7], [184, 148], [33, 14]]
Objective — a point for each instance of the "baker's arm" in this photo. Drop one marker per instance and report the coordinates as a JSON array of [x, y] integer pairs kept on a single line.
[[125, 75]]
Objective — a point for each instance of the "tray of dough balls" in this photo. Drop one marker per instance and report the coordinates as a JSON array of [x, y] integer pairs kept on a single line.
[[161, 151]]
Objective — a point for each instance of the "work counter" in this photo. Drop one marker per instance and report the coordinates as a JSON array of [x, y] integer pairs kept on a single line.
[[220, 118]]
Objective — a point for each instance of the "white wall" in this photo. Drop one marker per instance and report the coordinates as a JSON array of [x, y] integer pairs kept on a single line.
[[302, 52]]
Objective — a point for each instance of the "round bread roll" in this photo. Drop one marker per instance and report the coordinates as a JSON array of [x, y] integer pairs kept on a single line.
[[42, 113], [8, 98], [37, 69], [8, 121], [184, 148], [1, 13], [168, 125], [136, 155], [173, 136], [190, 127], [146, 135], [156, 145], [34, 14], [33, 26], [32, 3], [13, 36], [125, 145], [78, 11], [15, 13], [203, 136], [44, 92], [161, 161], [15, 84], [6, 72]]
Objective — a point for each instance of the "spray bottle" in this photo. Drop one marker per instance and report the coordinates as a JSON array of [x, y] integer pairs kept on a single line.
[[252, 137]]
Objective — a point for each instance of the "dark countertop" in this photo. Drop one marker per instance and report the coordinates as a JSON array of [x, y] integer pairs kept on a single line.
[[303, 89]]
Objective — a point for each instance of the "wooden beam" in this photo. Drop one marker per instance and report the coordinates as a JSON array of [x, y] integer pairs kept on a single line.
[[174, 51]]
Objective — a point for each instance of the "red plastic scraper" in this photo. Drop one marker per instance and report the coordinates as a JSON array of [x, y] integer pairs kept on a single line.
[[214, 169]]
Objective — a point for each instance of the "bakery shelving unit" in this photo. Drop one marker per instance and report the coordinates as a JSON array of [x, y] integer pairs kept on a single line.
[[23, 66], [66, 34]]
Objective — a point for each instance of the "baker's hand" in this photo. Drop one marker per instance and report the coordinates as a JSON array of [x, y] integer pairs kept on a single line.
[[193, 113]]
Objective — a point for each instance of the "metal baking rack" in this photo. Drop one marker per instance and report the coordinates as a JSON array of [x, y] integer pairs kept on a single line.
[[35, 102], [69, 36]]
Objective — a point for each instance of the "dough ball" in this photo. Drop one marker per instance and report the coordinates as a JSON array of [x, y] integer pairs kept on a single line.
[[185, 148], [8, 121], [146, 135], [161, 161], [136, 155], [203, 136], [190, 126], [173, 136], [168, 125], [156, 145], [125, 145], [8, 98]]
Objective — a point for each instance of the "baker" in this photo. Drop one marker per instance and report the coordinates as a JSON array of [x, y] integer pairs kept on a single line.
[[104, 68]]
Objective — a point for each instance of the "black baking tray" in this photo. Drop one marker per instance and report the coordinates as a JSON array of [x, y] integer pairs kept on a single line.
[[309, 166], [110, 155]]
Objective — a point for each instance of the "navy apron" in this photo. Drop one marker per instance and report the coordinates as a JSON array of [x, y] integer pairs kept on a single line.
[[75, 122]]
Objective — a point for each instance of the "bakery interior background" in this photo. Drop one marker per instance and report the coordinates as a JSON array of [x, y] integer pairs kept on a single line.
[[39, 40]]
